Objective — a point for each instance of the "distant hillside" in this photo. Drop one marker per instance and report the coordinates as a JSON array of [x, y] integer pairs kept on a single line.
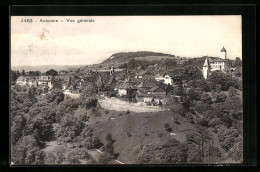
[[45, 68], [139, 55]]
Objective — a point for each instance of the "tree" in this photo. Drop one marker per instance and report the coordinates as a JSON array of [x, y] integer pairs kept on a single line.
[[55, 95], [194, 94], [40, 127], [52, 72], [238, 71], [167, 127], [222, 81], [34, 73], [232, 91], [60, 157], [14, 76], [171, 152], [72, 157], [202, 107], [50, 158], [23, 73], [109, 137], [26, 151], [57, 83], [131, 64], [227, 138], [219, 97], [123, 66], [18, 123], [31, 94], [69, 128], [90, 90], [237, 62], [205, 97]]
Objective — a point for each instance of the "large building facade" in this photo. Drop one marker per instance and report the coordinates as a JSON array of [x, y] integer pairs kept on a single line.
[[213, 64]]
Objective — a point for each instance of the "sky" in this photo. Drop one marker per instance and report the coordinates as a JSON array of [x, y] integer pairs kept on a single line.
[[73, 43]]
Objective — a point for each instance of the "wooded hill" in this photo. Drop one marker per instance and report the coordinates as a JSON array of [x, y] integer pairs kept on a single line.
[[126, 56]]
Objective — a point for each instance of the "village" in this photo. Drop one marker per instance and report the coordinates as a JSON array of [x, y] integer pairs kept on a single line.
[[134, 101], [127, 90], [153, 86]]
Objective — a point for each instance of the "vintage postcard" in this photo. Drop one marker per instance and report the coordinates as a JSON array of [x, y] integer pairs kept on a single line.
[[126, 90]]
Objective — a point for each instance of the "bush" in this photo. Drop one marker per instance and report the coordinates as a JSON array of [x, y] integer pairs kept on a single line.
[[219, 97], [72, 157], [50, 158], [167, 127], [69, 128], [55, 95], [177, 122], [128, 134], [190, 118], [232, 91], [237, 115], [109, 137], [90, 102], [237, 153], [27, 151], [202, 107], [105, 158], [205, 97], [170, 152], [227, 138], [203, 122]]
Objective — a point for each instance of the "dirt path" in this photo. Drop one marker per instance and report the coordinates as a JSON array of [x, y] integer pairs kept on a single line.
[[95, 153], [52, 145], [118, 105]]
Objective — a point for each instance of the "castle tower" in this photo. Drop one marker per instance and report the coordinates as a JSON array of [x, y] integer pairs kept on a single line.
[[223, 53], [206, 68]]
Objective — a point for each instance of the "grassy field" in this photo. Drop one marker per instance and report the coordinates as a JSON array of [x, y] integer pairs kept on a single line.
[[133, 129]]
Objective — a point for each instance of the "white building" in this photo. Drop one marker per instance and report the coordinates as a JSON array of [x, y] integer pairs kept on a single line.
[[165, 78], [213, 64], [223, 53]]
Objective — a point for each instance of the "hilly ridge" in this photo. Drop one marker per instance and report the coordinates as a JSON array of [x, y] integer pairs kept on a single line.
[[44, 68], [139, 55]]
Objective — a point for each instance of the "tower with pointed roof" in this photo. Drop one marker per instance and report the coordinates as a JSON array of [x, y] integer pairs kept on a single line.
[[206, 68], [223, 53]]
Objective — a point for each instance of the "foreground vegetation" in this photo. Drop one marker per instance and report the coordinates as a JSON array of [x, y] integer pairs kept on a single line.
[[205, 128]]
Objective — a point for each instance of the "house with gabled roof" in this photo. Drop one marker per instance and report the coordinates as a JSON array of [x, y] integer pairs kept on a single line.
[[146, 85], [105, 81], [45, 80], [126, 89], [157, 91], [27, 80], [165, 78], [143, 97], [21, 80]]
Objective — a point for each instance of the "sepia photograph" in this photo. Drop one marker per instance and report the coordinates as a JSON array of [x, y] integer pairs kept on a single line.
[[95, 90]]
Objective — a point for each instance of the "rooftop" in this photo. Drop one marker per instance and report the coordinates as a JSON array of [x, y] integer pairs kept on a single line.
[[223, 49]]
